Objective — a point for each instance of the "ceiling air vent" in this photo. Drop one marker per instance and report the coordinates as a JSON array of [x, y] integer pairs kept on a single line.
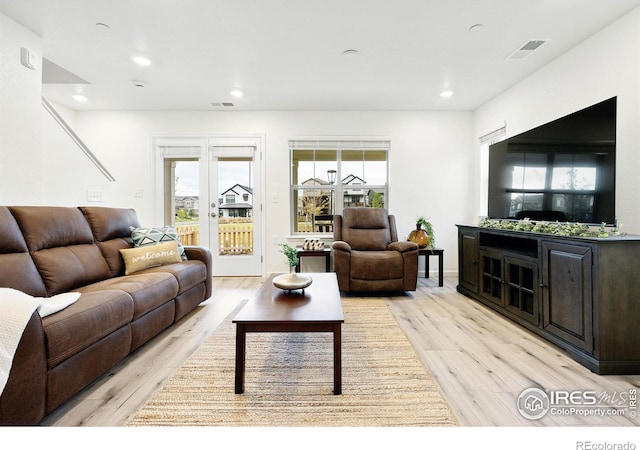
[[218, 104], [527, 49]]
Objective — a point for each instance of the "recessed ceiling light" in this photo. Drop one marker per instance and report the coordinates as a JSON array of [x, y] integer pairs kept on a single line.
[[350, 52], [138, 83], [102, 26], [79, 98], [446, 93], [141, 61], [236, 93], [476, 27]]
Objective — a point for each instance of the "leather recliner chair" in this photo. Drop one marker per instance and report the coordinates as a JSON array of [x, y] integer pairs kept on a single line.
[[367, 256]]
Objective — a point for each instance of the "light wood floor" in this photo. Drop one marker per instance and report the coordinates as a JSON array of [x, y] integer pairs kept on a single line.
[[480, 361]]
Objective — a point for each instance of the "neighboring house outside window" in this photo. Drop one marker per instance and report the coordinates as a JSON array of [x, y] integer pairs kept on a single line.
[[188, 206], [327, 176], [237, 201]]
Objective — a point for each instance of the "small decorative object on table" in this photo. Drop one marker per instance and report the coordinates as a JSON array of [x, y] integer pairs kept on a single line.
[[312, 244], [292, 280], [423, 234]]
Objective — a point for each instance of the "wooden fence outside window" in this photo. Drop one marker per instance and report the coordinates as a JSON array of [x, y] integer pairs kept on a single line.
[[235, 235]]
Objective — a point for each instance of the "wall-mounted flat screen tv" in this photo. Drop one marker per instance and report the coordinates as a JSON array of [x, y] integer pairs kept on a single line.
[[561, 171]]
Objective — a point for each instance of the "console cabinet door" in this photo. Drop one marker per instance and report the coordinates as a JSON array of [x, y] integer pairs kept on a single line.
[[521, 288], [468, 260], [567, 301], [492, 277]]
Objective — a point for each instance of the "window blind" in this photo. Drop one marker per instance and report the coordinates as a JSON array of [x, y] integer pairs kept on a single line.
[[233, 152], [494, 136], [355, 144]]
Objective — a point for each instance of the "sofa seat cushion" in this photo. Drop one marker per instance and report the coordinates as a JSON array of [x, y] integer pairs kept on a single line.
[[376, 265], [85, 322], [188, 273], [148, 290]]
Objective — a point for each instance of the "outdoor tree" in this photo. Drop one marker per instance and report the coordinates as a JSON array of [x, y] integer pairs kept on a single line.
[[377, 201]]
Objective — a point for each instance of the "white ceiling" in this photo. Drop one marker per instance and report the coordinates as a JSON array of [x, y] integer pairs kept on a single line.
[[287, 54]]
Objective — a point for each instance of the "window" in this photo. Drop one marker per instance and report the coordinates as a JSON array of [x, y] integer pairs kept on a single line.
[[230, 198], [327, 176]]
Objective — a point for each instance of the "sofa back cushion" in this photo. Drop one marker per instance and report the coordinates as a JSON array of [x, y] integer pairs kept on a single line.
[[17, 269], [111, 230], [62, 247], [366, 228]]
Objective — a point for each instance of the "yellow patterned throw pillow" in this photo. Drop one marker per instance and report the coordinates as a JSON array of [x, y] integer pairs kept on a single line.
[[139, 258]]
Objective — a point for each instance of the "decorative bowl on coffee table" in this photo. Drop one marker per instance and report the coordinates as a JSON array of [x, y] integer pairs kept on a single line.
[[292, 281]]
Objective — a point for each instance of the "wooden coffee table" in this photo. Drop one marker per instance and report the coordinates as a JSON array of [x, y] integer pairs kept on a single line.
[[272, 310]]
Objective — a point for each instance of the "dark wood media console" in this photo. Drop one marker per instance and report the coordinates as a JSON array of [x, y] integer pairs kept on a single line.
[[582, 294]]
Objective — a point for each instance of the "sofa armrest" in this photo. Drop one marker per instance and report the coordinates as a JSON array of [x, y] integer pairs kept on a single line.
[[409, 252], [342, 264], [341, 246], [23, 400], [199, 253], [403, 246]]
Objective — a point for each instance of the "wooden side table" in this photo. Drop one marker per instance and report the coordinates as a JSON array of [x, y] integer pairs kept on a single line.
[[326, 252], [430, 252]]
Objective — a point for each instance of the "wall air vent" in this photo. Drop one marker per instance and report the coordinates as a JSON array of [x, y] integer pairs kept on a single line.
[[219, 104], [526, 49]]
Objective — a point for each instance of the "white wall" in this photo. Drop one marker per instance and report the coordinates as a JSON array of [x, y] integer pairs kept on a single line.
[[604, 66], [68, 172], [20, 131], [429, 171]]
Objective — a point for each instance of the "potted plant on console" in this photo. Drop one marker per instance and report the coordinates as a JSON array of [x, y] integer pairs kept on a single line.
[[423, 235]]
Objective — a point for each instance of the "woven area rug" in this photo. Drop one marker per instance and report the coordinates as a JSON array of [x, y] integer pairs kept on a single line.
[[289, 379]]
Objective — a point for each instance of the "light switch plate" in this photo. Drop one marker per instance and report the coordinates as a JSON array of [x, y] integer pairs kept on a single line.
[[94, 195]]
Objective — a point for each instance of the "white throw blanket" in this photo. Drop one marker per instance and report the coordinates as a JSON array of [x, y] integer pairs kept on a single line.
[[16, 309]]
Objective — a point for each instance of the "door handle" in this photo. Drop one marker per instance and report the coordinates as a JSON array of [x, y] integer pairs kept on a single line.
[[213, 214]]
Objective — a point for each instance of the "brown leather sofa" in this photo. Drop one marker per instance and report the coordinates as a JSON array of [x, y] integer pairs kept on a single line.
[[46, 251], [367, 256]]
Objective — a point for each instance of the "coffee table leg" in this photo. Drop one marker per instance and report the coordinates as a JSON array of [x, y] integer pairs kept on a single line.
[[241, 340], [337, 359]]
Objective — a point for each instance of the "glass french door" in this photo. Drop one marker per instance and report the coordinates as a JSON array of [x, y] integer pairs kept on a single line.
[[235, 209], [212, 195]]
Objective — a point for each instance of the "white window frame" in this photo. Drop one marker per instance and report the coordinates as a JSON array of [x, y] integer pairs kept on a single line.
[[374, 143]]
